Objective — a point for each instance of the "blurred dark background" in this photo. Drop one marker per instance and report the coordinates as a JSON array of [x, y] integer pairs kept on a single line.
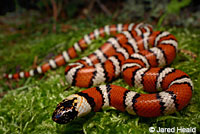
[[165, 12]]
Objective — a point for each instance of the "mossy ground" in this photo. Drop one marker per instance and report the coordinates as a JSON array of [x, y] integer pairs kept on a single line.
[[27, 105]]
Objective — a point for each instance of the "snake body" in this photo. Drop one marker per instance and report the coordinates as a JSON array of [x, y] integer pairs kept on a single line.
[[137, 53]]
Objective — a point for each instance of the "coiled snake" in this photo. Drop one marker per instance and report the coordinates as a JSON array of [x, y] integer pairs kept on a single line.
[[135, 52]]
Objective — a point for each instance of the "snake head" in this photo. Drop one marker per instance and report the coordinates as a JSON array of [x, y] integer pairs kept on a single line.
[[65, 111]]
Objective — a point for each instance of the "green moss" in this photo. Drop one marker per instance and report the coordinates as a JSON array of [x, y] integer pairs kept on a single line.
[[29, 107]]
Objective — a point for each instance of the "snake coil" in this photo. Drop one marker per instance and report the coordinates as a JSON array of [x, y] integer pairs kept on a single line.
[[137, 53]]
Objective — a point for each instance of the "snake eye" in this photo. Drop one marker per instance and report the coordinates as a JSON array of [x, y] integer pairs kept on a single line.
[[65, 112]]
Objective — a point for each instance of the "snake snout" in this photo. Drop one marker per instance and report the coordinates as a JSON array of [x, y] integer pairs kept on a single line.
[[65, 112]]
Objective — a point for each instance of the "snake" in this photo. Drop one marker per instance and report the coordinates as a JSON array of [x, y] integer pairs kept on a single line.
[[135, 52]]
